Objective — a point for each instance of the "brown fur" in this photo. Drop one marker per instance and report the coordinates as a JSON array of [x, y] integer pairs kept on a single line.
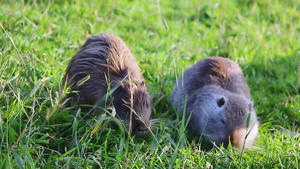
[[105, 64]]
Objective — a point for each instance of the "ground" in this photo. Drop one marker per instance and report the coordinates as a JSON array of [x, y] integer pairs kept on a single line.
[[38, 38]]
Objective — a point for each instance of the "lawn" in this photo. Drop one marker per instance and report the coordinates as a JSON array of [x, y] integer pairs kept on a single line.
[[38, 38]]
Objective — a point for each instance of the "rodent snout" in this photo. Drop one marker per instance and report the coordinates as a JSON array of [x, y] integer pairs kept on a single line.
[[141, 129]]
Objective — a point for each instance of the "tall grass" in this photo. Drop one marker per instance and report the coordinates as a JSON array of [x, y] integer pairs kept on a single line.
[[38, 38]]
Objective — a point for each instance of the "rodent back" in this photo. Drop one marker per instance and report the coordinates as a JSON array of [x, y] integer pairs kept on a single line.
[[89, 62], [216, 71], [103, 54]]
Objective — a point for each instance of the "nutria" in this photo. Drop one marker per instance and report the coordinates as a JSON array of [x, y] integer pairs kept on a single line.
[[104, 73], [215, 99]]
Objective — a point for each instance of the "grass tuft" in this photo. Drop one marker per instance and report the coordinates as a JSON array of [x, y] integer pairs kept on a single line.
[[38, 38]]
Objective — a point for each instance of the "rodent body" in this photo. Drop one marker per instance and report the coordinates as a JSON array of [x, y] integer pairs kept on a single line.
[[105, 64], [215, 99]]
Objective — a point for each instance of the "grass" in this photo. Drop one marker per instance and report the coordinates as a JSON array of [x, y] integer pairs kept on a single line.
[[38, 38]]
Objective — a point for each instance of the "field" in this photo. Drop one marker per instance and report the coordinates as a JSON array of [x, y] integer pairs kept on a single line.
[[38, 38]]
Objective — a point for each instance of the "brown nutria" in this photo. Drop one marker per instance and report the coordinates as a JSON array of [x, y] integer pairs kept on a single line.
[[215, 99], [105, 65]]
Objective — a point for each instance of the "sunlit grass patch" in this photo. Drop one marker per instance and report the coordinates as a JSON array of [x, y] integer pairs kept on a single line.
[[38, 38]]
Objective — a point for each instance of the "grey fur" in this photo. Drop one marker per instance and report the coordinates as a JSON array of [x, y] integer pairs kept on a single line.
[[217, 101]]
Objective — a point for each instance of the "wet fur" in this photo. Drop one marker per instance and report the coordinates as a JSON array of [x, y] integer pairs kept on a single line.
[[105, 64], [217, 101]]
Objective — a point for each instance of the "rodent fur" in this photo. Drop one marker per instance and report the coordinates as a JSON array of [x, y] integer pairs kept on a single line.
[[108, 65], [217, 101]]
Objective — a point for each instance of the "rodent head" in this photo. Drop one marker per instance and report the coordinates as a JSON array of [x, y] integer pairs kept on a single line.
[[221, 116], [132, 102]]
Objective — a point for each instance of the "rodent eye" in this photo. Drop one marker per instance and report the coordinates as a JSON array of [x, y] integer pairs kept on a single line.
[[142, 83], [221, 102]]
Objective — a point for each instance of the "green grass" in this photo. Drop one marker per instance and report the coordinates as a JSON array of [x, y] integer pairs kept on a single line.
[[37, 39]]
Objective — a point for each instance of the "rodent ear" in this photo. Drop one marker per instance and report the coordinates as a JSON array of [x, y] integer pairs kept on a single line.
[[221, 101]]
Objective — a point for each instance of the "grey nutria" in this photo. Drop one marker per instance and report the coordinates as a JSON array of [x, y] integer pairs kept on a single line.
[[216, 101], [104, 65]]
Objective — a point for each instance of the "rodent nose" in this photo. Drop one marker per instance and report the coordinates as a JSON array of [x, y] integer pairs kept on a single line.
[[142, 129]]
